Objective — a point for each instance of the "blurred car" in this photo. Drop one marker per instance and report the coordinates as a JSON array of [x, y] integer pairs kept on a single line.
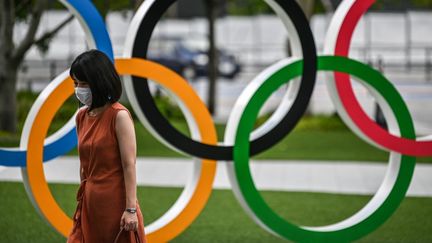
[[188, 56]]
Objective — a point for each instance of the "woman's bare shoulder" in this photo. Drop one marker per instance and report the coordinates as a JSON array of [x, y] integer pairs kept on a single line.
[[80, 113]]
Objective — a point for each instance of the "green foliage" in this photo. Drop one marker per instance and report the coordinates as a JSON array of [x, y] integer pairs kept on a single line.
[[314, 137], [422, 4], [402, 4], [26, 100], [114, 5], [255, 7], [8, 139], [318, 7], [23, 9], [168, 108], [247, 7], [316, 123]]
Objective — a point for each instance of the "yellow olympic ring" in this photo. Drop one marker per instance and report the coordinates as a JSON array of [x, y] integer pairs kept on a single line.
[[142, 68]]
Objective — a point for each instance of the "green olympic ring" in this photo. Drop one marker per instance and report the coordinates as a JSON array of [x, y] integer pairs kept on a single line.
[[254, 202]]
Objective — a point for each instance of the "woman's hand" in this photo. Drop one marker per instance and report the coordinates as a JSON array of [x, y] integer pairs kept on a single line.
[[129, 221]]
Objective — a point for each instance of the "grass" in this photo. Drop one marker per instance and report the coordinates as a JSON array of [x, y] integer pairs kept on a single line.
[[222, 220]]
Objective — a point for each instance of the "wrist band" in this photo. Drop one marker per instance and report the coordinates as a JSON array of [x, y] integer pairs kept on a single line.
[[131, 210]]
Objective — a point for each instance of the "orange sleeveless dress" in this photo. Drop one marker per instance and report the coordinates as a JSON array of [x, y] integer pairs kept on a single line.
[[102, 194]]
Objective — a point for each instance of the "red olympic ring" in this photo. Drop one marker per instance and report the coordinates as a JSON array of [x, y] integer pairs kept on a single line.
[[352, 106]]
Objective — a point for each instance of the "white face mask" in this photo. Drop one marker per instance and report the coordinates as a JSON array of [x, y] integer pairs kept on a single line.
[[84, 95]]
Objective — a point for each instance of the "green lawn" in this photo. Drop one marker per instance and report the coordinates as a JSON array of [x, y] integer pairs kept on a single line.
[[222, 220]]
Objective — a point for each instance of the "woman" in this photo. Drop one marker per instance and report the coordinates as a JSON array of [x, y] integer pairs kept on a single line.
[[106, 198]]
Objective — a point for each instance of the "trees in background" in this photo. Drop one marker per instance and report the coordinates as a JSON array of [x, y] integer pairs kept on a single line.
[[12, 52]]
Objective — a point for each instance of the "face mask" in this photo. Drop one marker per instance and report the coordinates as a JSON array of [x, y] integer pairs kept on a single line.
[[84, 95]]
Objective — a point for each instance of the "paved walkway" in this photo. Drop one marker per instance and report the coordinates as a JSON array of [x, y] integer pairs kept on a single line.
[[310, 176]]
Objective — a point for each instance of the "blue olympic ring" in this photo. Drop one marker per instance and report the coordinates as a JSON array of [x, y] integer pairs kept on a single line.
[[93, 20]]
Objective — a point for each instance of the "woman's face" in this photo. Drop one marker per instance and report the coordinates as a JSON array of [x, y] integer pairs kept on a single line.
[[80, 84]]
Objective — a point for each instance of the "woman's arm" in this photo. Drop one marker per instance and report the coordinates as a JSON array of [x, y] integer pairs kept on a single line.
[[76, 125], [127, 144]]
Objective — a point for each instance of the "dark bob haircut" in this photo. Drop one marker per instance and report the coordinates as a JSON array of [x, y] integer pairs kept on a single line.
[[96, 69]]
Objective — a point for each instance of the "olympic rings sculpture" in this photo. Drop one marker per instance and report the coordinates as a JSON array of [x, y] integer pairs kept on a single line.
[[240, 140]]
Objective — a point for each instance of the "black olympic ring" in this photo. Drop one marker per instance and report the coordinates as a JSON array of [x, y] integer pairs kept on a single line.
[[202, 150]]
